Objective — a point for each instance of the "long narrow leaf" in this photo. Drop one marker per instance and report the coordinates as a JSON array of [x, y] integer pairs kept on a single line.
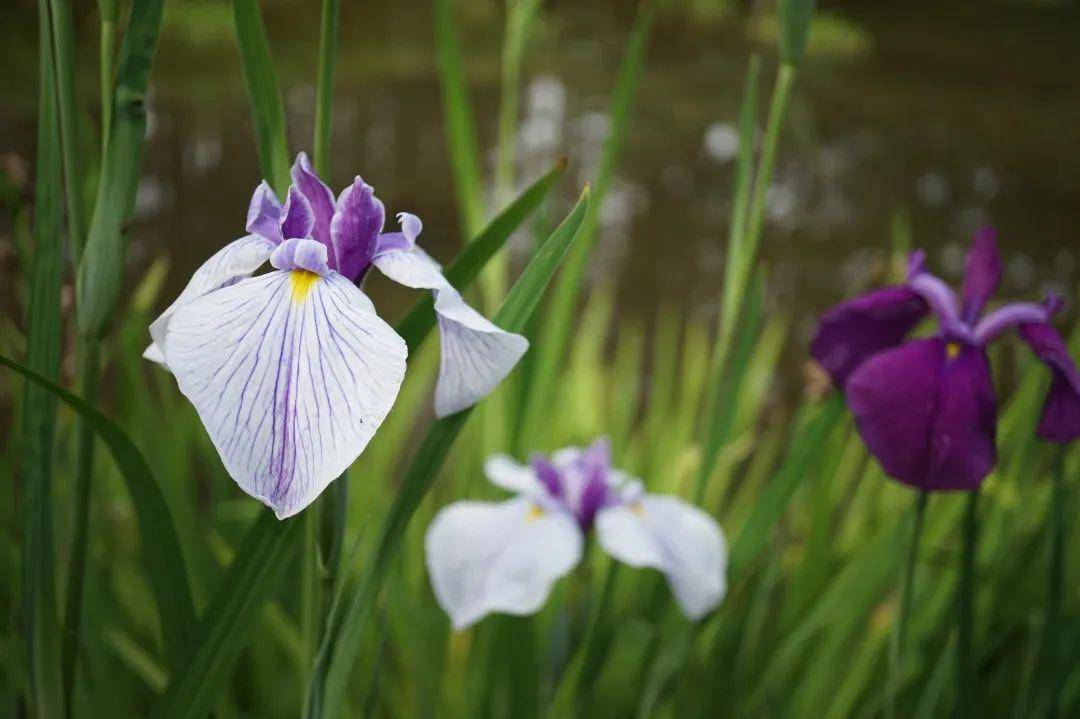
[[460, 126], [43, 335], [558, 319], [229, 619], [162, 556], [101, 269], [513, 315], [263, 90]]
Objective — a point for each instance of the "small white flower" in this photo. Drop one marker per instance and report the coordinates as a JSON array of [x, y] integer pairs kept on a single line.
[[486, 557]]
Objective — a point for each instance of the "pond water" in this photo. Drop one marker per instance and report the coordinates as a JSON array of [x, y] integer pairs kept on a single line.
[[954, 114]]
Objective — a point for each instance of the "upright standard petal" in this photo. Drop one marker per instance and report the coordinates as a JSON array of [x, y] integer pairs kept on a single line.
[[291, 374], [320, 198], [232, 263], [505, 557], [264, 213], [856, 330], [475, 355], [1060, 421], [297, 217], [926, 411], [355, 228], [678, 539], [982, 273]]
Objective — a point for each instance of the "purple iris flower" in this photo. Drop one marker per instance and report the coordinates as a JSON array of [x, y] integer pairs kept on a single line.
[[292, 371], [486, 557], [926, 407]]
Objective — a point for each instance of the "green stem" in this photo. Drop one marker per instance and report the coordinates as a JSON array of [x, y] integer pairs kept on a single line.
[[965, 669], [106, 59], [907, 592], [778, 107], [324, 93], [310, 584], [84, 468], [64, 68], [1048, 666]]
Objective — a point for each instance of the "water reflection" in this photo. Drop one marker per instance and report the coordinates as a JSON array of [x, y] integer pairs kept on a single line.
[[923, 112]]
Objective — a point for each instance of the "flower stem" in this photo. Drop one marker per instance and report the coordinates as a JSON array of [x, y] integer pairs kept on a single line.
[[906, 593], [965, 669], [1048, 665], [108, 11], [89, 368], [64, 69]]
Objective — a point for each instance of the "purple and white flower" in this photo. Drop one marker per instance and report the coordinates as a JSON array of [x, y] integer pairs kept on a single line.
[[486, 557], [292, 371], [926, 407]]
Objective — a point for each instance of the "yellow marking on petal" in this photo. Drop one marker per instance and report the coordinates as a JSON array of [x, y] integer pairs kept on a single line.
[[302, 282], [637, 509], [952, 350], [535, 513]]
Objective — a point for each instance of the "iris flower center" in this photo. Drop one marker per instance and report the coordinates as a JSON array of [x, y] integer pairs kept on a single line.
[[302, 282]]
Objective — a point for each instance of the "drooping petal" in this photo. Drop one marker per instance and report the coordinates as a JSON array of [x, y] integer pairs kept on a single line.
[[475, 355], [232, 263], [982, 273], [1060, 421], [505, 557], [853, 331], [411, 226], [357, 223], [291, 375], [320, 198], [678, 539], [297, 254], [507, 474], [926, 411], [297, 217], [264, 213]]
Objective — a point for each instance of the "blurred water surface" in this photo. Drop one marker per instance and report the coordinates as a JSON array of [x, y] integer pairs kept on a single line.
[[951, 114]]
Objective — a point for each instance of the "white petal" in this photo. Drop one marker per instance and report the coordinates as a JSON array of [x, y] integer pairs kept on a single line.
[[154, 354], [498, 557], [507, 474], [474, 354], [677, 538], [291, 374], [412, 268], [232, 263]]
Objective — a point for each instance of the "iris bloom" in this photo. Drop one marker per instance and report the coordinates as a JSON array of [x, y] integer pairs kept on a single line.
[[292, 371], [505, 556], [925, 407]]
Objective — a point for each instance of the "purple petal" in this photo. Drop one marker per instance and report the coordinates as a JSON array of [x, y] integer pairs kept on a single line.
[[926, 411], [355, 227], [411, 226], [982, 273], [853, 331], [301, 254], [1016, 314], [548, 475], [942, 301], [1061, 413], [264, 212], [296, 216], [321, 199]]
